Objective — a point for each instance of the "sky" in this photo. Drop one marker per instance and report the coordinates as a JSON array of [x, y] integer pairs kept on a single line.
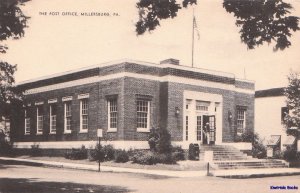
[[56, 43]]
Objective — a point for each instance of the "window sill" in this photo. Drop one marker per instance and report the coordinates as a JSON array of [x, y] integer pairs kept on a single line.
[[67, 132], [39, 133], [83, 131], [144, 130], [52, 133], [111, 130], [27, 134]]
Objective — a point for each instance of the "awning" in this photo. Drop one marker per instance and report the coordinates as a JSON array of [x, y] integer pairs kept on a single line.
[[290, 140], [274, 140]]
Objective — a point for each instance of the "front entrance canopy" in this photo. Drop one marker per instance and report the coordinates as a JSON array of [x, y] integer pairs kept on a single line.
[[290, 140], [274, 140]]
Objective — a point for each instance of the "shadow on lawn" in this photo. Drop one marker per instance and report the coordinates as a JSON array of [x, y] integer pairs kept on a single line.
[[16, 185]]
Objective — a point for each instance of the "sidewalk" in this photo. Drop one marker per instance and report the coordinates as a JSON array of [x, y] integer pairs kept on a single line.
[[236, 173], [107, 168]]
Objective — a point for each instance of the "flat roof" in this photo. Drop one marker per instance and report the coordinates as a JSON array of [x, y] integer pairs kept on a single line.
[[270, 92], [105, 64]]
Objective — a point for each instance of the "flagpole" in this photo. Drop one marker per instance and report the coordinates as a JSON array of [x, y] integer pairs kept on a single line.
[[193, 39]]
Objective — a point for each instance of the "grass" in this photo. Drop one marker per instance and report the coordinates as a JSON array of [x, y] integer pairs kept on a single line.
[[180, 166]]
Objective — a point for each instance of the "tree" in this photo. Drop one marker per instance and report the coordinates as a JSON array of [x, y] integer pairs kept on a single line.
[[160, 141], [292, 92], [261, 21], [153, 139], [12, 24], [12, 21], [7, 94]]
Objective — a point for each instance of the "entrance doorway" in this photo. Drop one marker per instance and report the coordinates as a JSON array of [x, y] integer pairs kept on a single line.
[[209, 127], [196, 128], [201, 109]]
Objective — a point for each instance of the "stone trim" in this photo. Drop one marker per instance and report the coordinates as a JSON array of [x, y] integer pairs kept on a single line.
[[112, 63], [84, 96], [168, 78], [50, 101], [39, 103], [67, 98]]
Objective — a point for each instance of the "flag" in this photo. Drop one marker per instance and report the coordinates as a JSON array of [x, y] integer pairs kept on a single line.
[[196, 27]]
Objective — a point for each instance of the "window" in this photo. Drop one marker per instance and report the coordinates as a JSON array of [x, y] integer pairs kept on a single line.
[[284, 112], [67, 117], [186, 128], [84, 115], [199, 125], [53, 118], [27, 123], [112, 114], [188, 103], [241, 120], [202, 105], [143, 115], [40, 117]]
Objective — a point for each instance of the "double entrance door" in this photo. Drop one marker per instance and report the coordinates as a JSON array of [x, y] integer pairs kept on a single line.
[[202, 130]]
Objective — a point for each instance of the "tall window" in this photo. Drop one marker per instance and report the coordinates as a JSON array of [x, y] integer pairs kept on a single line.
[[241, 120], [199, 123], [84, 114], [27, 123], [67, 117], [186, 128], [40, 117], [53, 118], [112, 114], [143, 115], [284, 113]]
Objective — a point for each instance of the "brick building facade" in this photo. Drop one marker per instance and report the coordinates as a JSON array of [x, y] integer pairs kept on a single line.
[[128, 98]]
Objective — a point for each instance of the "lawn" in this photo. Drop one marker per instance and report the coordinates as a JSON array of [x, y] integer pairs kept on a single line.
[[186, 165]]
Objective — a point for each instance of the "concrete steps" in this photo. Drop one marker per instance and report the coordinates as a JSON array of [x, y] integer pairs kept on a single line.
[[250, 164], [227, 157]]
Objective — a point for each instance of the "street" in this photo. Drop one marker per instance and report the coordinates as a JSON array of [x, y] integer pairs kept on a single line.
[[23, 179]]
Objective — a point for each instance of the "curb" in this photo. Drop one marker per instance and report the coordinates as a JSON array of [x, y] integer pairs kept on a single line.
[[165, 173], [257, 175]]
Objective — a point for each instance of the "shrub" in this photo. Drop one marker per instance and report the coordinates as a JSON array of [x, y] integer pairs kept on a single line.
[[165, 158], [259, 150], [152, 158], [145, 158], [35, 150], [153, 139], [164, 142], [77, 154], [96, 153], [298, 156], [178, 153], [91, 154], [160, 141], [290, 154], [109, 152], [278, 154], [192, 152], [134, 155], [6, 148], [104, 153], [249, 136], [121, 156]]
